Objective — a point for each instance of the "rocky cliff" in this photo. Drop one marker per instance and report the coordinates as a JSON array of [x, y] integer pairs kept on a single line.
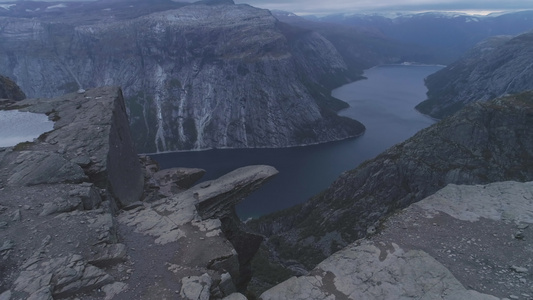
[[485, 142], [10, 90], [455, 244], [194, 76], [494, 68], [82, 216]]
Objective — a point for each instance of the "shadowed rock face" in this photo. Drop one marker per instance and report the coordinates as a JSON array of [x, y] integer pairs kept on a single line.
[[91, 130], [10, 90], [485, 142], [196, 77], [494, 68]]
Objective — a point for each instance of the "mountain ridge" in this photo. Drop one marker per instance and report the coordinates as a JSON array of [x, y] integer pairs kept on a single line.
[[495, 67], [195, 77]]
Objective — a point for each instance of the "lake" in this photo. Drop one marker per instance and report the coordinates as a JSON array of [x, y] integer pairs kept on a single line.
[[17, 127], [384, 103]]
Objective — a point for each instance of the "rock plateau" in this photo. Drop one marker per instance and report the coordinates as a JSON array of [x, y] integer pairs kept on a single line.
[[83, 217], [455, 244]]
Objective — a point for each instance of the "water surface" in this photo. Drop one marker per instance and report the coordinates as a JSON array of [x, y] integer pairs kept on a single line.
[[384, 103], [17, 127]]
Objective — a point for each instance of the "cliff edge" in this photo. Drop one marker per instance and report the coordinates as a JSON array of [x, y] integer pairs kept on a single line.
[[455, 244], [82, 216]]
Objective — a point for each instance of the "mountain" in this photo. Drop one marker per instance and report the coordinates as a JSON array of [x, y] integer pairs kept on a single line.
[[495, 67], [446, 36], [194, 76], [484, 142], [360, 47]]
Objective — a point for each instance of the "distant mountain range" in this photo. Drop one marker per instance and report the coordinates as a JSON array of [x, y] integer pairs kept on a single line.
[[445, 35]]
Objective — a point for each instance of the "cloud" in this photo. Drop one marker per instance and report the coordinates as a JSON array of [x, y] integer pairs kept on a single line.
[[336, 6]]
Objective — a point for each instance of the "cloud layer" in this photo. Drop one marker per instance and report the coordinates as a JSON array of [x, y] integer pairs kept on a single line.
[[337, 6]]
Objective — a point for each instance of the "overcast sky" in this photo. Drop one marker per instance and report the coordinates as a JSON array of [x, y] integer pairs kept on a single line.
[[336, 6], [320, 7]]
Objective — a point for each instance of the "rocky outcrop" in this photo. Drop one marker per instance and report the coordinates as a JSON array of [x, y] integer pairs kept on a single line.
[[195, 77], [59, 193], [495, 67], [454, 244], [75, 221], [105, 150], [485, 142], [10, 90], [183, 220]]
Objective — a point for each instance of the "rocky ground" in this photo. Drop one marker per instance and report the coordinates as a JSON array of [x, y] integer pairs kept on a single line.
[[464, 242], [82, 217]]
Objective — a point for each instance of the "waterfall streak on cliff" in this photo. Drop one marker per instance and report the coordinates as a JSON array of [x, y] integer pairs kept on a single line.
[[159, 136]]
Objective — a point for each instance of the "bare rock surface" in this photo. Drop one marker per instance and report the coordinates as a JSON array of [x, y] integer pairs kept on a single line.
[[183, 243], [460, 243], [76, 223], [171, 181]]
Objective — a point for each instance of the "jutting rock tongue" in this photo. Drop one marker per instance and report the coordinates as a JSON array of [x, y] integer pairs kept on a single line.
[[217, 199]]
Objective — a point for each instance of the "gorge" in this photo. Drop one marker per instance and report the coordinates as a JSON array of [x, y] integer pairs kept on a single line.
[[384, 102], [83, 216]]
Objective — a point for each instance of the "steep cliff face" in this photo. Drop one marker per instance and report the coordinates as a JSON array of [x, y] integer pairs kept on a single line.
[[485, 142], [495, 67], [10, 90], [196, 77]]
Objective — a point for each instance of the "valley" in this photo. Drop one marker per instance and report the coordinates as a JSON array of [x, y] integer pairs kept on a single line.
[[384, 102], [213, 150]]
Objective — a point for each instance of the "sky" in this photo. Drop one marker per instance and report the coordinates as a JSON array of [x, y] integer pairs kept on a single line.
[[323, 7], [320, 7]]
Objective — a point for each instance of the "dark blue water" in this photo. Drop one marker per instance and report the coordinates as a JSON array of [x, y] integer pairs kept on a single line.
[[384, 103]]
